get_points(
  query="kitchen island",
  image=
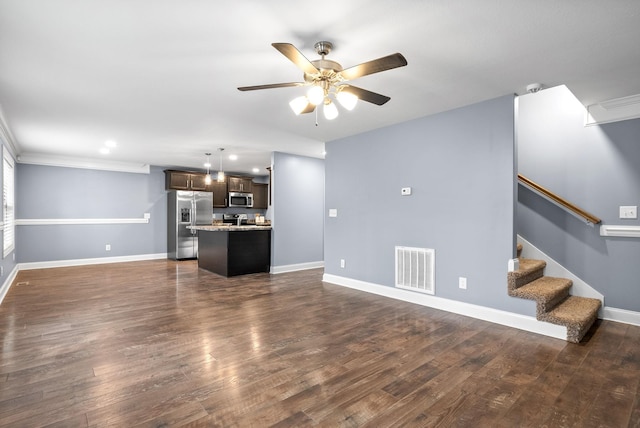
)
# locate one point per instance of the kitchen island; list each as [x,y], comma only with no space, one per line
[234,250]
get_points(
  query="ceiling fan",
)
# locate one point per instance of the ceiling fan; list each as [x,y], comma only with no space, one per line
[327,79]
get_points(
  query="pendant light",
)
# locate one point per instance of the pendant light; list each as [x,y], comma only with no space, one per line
[207,178]
[220,172]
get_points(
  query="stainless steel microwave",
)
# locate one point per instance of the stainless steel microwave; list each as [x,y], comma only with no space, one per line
[240,199]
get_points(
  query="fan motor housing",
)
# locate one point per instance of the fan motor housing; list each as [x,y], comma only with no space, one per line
[328,70]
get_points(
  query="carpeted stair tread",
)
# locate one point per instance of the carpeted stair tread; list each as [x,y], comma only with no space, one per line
[547,291]
[518,249]
[529,265]
[553,302]
[575,313]
[529,270]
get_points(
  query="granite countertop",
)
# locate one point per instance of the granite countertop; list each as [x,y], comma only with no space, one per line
[229,228]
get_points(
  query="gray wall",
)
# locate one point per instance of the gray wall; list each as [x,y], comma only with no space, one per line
[460,165]
[297,210]
[45,192]
[596,168]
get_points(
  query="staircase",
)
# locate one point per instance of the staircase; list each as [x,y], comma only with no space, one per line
[554,304]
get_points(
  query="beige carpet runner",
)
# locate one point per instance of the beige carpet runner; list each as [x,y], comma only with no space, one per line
[554,304]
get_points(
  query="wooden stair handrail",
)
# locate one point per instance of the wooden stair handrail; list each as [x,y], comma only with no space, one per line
[558,200]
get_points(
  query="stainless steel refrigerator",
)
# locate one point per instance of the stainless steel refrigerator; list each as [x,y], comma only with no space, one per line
[186,208]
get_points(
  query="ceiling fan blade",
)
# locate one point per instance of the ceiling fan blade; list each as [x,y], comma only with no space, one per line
[271,86]
[364,95]
[375,66]
[296,57]
[308,109]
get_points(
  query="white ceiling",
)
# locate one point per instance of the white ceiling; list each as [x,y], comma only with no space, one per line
[160,76]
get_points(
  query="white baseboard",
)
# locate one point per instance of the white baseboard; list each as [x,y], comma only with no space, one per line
[621,315]
[296,267]
[4,289]
[496,316]
[94,261]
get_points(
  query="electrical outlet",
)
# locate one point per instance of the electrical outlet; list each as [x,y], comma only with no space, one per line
[462,282]
[107,247]
[629,212]
[342,263]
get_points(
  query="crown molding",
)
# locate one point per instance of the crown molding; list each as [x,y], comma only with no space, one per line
[84,163]
[7,136]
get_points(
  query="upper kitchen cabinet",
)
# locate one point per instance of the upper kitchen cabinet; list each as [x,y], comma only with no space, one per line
[219,194]
[181,180]
[239,184]
[260,196]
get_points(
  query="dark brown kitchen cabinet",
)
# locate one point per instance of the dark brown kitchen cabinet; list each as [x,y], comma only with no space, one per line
[239,184]
[219,194]
[260,195]
[182,180]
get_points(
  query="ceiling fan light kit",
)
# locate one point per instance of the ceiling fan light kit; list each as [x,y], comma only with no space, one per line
[330,110]
[327,79]
[347,99]
[316,95]
[299,104]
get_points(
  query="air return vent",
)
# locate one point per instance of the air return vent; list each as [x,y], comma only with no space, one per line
[415,269]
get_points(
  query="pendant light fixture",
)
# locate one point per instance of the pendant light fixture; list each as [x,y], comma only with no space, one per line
[221,172]
[207,178]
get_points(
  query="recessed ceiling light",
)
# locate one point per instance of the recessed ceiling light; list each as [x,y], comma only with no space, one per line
[110,143]
[256,170]
[104,150]
[233,157]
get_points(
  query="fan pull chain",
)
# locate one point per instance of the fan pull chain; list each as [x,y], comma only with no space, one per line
[316,111]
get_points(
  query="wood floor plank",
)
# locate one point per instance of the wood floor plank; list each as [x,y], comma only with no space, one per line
[163,343]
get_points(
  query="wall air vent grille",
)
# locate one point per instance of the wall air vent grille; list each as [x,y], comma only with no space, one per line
[415,269]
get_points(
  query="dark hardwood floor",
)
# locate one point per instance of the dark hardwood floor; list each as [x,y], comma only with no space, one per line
[162,343]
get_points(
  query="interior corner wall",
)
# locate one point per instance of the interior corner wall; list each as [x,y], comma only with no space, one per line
[598,169]
[461,169]
[49,192]
[297,211]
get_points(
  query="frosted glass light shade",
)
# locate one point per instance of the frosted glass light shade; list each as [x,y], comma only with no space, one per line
[347,100]
[299,104]
[220,176]
[207,179]
[315,95]
[330,111]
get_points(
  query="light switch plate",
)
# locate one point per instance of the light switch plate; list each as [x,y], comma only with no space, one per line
[405,191]
[629,211]
[333,212]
